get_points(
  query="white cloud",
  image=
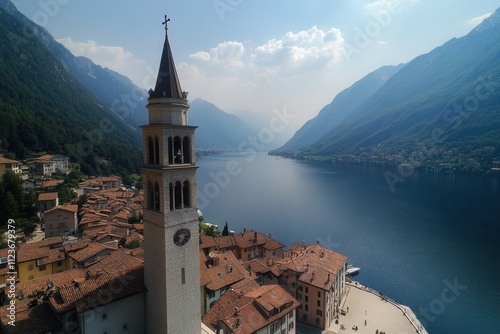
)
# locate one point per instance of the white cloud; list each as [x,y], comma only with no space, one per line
[227,54]
[113,57]
[302,51]
[379,4]
[232,73]
[476,20]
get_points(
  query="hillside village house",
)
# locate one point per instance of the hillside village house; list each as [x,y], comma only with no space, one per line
[47,201]
[100,183]
[40,259]
[48,164]
[60,220]
[9,165]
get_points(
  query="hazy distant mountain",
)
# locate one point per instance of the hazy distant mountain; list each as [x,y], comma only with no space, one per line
[342,105]
[44,108]
[217,128]
[125,98]
[449,96]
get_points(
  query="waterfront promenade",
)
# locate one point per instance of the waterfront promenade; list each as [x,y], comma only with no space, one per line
[367,311]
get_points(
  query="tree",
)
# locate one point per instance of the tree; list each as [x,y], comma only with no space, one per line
[26,226]
[67,195]
[135,218]
[225,231]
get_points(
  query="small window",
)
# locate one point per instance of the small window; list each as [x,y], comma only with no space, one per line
[319,312]
[59,263]
[300,288]
[30,267]
[307,290]
[104,316]
[42,268]
[307,298]
[306,307]
[30,277]
[319,303]
[319,294]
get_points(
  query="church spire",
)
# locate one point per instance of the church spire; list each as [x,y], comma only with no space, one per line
[167,83]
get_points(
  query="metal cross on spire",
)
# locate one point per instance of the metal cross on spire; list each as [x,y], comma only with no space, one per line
[165,23]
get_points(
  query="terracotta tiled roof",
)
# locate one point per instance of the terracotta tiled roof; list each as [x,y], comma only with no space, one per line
[318,265]
[57,280]
[75,246]
[253,238]
[69,207]
[207,241]
[51,242]
[260,266]
[47,196]
[49,183]
[45,157]
[248,312]
[8,161]
[92,249]
[99,290]
[37,319]
[225,241]
[54,255]
[250,239]
[226,270]
[115,262]
[25,254]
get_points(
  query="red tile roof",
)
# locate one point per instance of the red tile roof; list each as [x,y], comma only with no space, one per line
[47,196]
[68,207]
[38,319]
[99,290]
[248,312]
[8,161]
[92,249]
[225,271]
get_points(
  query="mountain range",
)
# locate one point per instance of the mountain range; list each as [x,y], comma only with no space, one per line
[43,108]
[440,106]
[53,101]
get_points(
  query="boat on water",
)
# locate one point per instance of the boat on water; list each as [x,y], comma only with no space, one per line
[352,270]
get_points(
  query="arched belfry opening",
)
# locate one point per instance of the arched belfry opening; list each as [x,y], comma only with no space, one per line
[157,152]
[186,150]
[151,151]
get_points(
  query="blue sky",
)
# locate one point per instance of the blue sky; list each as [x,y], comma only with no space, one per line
[256,55]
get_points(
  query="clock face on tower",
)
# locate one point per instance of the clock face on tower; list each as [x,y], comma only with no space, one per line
[182,236]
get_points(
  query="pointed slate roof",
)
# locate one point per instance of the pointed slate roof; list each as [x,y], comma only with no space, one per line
[167,83]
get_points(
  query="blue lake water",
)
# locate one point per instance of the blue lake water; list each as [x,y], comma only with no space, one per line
[432,244]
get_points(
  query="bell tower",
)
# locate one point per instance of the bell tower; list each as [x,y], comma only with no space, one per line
[171,257]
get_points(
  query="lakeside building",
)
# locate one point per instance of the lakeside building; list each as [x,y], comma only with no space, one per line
[313,274]
[249,308]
